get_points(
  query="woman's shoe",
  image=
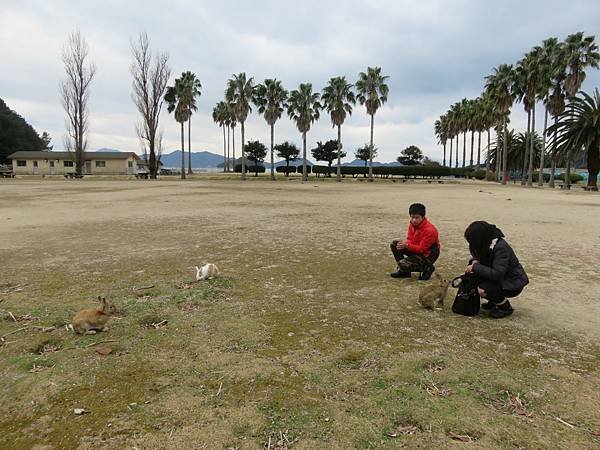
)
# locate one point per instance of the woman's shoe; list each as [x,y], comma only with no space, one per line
[501,311]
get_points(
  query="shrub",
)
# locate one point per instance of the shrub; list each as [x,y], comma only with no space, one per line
[287,170]
[536,176]
[299,169]
[238,168]
[478,174]
[575,177]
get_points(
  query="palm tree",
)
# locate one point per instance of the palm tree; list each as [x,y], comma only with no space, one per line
[303,108]
[193,88]
[219,115]
[499,88]
[548,63]
[577,129]
[231,123]
[178,98]
[338,99]
[270,99]
[441,131]
[372,91]
[240,93]
[581,52]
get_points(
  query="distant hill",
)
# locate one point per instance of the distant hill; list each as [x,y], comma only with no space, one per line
[105,149]
[361,163]
[200,160]
[15,133]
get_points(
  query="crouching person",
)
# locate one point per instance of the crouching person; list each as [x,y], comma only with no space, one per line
[421,248]
[499,274]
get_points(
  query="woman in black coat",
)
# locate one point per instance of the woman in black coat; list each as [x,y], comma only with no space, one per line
[499,274]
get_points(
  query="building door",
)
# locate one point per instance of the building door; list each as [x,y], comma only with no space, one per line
[52,168]
[88,167]
[129,167]
[36,169]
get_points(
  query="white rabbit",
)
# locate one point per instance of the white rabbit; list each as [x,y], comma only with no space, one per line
[206,272]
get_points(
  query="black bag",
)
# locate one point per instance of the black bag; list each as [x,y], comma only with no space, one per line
[467,299]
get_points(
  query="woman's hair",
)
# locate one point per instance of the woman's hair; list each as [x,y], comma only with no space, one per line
[479,235]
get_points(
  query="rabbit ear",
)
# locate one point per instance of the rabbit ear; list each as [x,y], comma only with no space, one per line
[100,298]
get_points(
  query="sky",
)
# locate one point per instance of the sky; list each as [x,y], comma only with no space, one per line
[435,53]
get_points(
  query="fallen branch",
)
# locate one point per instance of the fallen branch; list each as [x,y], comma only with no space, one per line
[100,342]
[565,423]
[142,288]
[219,391]
[15,331]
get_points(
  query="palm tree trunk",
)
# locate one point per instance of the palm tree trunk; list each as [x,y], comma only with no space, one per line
[450,161]
[532,149]
[543,152]
[304,174]
[224,151]
[272,163]
[190,146]
[554,156]
[479,149]
[505,154]
[457,144]
[487,156]
[593,166]
[567,178]
[444,164]
[472,140]
[339,150]
[182,152]
[371,150]
[233,147]
[527,139]
[464,149]
[243,155]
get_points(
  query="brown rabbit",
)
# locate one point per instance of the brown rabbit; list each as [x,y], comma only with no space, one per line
[432,296]
[91,320]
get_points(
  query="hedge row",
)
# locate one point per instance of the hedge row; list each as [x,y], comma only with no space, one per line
[253,169]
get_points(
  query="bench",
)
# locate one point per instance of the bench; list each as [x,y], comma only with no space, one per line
[7,175]
[72,175]
[141,176]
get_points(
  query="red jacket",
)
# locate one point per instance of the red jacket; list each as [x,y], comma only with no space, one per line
[422,238]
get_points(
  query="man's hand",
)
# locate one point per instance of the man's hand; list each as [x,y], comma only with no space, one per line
[401,245]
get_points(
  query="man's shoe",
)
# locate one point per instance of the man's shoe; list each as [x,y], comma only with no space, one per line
[487,306]
[426,274]
[500,311]
[400,274]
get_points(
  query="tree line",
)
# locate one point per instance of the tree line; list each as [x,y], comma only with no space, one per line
[551,74]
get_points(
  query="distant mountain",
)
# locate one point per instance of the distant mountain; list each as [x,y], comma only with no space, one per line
[104,149]
[200,160]
[361,163]
[297,162]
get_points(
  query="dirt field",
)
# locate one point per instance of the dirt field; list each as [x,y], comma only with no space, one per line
[305,341]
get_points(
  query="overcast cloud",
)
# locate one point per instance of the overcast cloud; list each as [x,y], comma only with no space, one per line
[435,52]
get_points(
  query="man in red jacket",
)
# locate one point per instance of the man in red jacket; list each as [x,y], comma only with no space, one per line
[421,248]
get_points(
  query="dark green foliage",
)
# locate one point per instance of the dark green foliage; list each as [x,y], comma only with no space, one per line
[16,134]
[299,169]
[286,169]
[289,152]
[256,169]
[256,151]
[575,177]
[327,152]
[479,174]
[410,156]
[363,153]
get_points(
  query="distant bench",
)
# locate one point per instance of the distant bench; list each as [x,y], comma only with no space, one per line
[141,176]
[7,174]
[72,175]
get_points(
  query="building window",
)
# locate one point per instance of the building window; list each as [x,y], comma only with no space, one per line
[100,163]
[21,163]
[68,163]
[35,164]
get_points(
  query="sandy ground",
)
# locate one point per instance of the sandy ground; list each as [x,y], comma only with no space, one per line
[92,224]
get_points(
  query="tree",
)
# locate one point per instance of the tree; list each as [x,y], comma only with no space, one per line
[303,109]
[429,162]
[192,90]
[372,91]
[577,129]
[16,133]
[231,123]
[288,152]
[150,80]
[499,88]
[256,152]
[240,93]
[365,154]
[580,52]
[440,128]
[178,101]
[46,139]
[338,99]
[75,93]
[410,156]
[220,117]
[329,152]
[271,101]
